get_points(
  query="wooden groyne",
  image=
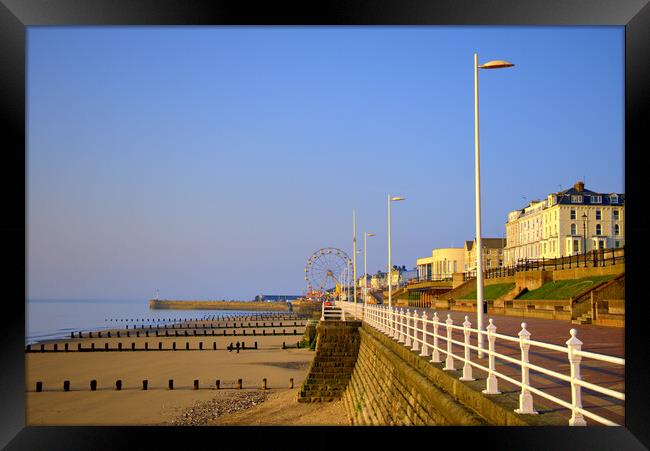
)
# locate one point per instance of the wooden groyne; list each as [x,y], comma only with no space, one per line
[176,304]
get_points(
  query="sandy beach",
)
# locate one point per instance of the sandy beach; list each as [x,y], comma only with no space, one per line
[158,405]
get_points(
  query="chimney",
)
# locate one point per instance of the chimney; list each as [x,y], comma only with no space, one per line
[579,186]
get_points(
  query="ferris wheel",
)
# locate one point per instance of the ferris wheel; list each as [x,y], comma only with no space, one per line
[324,269]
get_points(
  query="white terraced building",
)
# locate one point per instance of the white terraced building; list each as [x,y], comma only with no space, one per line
[565,223]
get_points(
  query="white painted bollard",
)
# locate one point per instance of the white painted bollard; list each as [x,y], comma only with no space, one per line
[425,347]
[573,344]
[416,343]
[467,368]
[435,354]
[407,322]
[525,398]
[449,361]
[322,309]
[491,387]
[392,323]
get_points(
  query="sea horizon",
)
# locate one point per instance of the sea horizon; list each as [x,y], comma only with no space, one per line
[51,319]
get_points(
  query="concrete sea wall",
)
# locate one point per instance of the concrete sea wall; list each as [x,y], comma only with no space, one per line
[218,305]
[392,385]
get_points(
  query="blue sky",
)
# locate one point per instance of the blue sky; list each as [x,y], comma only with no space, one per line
[210,162]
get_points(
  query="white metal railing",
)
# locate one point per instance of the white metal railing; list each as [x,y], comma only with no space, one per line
[421,333]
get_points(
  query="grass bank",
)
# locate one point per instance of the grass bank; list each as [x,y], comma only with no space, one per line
[491,292]
[564,289]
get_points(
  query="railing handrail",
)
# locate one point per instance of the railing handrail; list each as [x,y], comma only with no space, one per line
[412,330]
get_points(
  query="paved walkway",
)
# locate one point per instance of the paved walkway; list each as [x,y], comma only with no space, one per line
[597,339]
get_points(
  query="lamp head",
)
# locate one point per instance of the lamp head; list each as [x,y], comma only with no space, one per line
[496,64]
[395,199]
[370,234]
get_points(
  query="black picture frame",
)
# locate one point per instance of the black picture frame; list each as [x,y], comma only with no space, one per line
[16,15]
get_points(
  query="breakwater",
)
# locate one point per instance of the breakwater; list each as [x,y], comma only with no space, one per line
[177,304]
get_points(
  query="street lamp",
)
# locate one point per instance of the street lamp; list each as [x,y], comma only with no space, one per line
[354,259]
[584,233]
[497,64]
[365,272]
[390,281]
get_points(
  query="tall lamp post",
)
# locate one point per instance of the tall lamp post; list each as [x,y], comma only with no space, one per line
[584,234]
[390,279]
[365,271]
[479,244]
[354,259]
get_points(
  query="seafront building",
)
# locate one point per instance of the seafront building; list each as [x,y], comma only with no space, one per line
[492,253]
[566,223]
[442,263]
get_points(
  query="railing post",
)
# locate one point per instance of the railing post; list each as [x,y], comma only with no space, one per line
[322,310]
[416,344]
[435,353]
[491,387]
[407,326]
[425,348]
[400,337]
[449,361]
[467,368]
[525,398]
[573,344]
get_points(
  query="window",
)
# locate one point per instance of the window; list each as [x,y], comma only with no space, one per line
[598,229]
[597,215]
[601,244]
[617,230]
[576,199]
[616,215]
[573,214]
[576,244]
[617,244]
[573,229]
[596,199]
[613,199]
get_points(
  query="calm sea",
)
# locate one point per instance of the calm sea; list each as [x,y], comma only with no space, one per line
[46,320]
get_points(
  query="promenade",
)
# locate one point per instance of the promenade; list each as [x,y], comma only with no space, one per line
[597,339]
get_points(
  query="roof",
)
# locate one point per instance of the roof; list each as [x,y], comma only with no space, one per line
[490,243]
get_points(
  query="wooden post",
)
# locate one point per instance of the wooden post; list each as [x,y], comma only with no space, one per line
[66,385]
[239,384]
[145,384]
[196,384]
[93,385]
[171,384]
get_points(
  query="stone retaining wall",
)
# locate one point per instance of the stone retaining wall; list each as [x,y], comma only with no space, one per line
[392,385]
[337,346]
